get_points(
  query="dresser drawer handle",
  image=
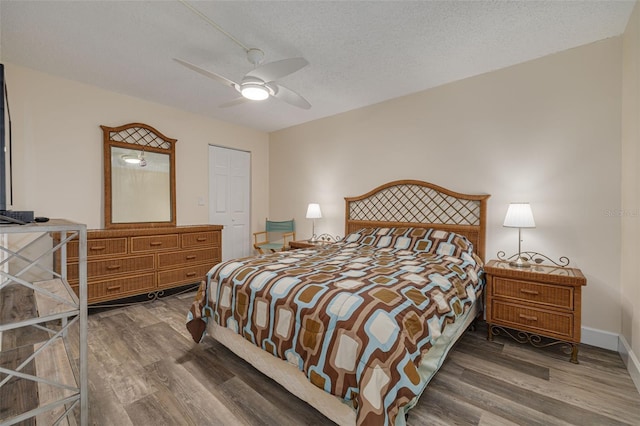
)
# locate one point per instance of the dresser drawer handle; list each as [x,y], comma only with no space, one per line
[190,274]
[528,317]
[201,239]
[155,243]
[532,292]
[113,267]
[97,248]
[191,257]
[114,287]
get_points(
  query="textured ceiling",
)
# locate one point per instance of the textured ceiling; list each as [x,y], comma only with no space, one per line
[360,53]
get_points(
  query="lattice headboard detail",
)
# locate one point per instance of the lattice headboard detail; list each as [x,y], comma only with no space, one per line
[420,205]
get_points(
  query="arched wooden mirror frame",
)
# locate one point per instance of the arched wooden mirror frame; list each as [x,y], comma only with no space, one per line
[141,137]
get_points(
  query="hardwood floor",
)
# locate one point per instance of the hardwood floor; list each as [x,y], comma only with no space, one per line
[146,370]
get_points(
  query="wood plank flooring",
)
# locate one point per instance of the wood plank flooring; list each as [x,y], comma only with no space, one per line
[17,396]
[145,370]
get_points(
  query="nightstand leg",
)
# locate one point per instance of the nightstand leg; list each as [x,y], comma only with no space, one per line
[489,333]
[574,353]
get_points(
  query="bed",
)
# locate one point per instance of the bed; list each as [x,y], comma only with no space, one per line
[357,328]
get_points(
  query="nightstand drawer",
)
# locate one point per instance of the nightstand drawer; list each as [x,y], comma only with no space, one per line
[548,294]
[554,324]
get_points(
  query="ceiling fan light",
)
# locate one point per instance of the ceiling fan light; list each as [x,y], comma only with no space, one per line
[131,159]
[255,92]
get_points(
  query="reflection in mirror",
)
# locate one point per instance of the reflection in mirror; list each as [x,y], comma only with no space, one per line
[140,186]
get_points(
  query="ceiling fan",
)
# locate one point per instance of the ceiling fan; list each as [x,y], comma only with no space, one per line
[260,83]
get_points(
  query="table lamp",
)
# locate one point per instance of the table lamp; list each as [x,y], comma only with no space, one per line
[313,213]
[519,215]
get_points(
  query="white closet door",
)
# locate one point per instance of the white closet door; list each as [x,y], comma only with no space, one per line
[230,199]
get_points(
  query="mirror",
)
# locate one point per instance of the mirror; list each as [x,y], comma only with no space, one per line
[139,179]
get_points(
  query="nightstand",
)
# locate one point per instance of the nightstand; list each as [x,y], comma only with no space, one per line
[538,301]
[308,244]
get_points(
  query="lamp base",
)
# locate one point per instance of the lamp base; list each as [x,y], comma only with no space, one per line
[520,263]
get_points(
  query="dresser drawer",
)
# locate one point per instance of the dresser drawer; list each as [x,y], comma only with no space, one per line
[106,267]
[187,275]
[154,243]
[548,294]
[554,324]
[199,239]
[118,287]
[185,257]
[100,247]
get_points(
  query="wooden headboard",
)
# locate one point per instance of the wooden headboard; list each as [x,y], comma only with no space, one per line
[413,203]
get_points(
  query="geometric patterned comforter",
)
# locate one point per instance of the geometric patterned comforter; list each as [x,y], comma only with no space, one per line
[356,316]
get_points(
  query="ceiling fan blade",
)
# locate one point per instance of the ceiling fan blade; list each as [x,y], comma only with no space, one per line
[234,102]
[278,69]
[289,96]
[209,74]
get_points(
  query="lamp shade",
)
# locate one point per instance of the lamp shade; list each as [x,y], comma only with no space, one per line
[519,215]
[313,211]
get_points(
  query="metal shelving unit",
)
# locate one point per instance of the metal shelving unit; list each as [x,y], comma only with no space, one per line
[60,316]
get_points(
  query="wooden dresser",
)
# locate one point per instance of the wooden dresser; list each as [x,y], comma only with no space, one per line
[128,262]
[537,301]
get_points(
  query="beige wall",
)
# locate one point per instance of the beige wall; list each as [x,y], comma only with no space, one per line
[630,270]
[57,145]
[545,131]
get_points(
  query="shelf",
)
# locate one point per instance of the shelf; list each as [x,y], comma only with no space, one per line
[55,300]
[50,375]
[40,377]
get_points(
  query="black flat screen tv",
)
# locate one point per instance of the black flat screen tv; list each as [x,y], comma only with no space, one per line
[3,159]
[6,193]
[6,176]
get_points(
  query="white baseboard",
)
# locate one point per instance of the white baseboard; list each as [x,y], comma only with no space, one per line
[630,360]
[600,338]
[614,342]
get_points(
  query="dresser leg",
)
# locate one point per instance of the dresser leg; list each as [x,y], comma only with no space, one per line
[574,353]
[489,333]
